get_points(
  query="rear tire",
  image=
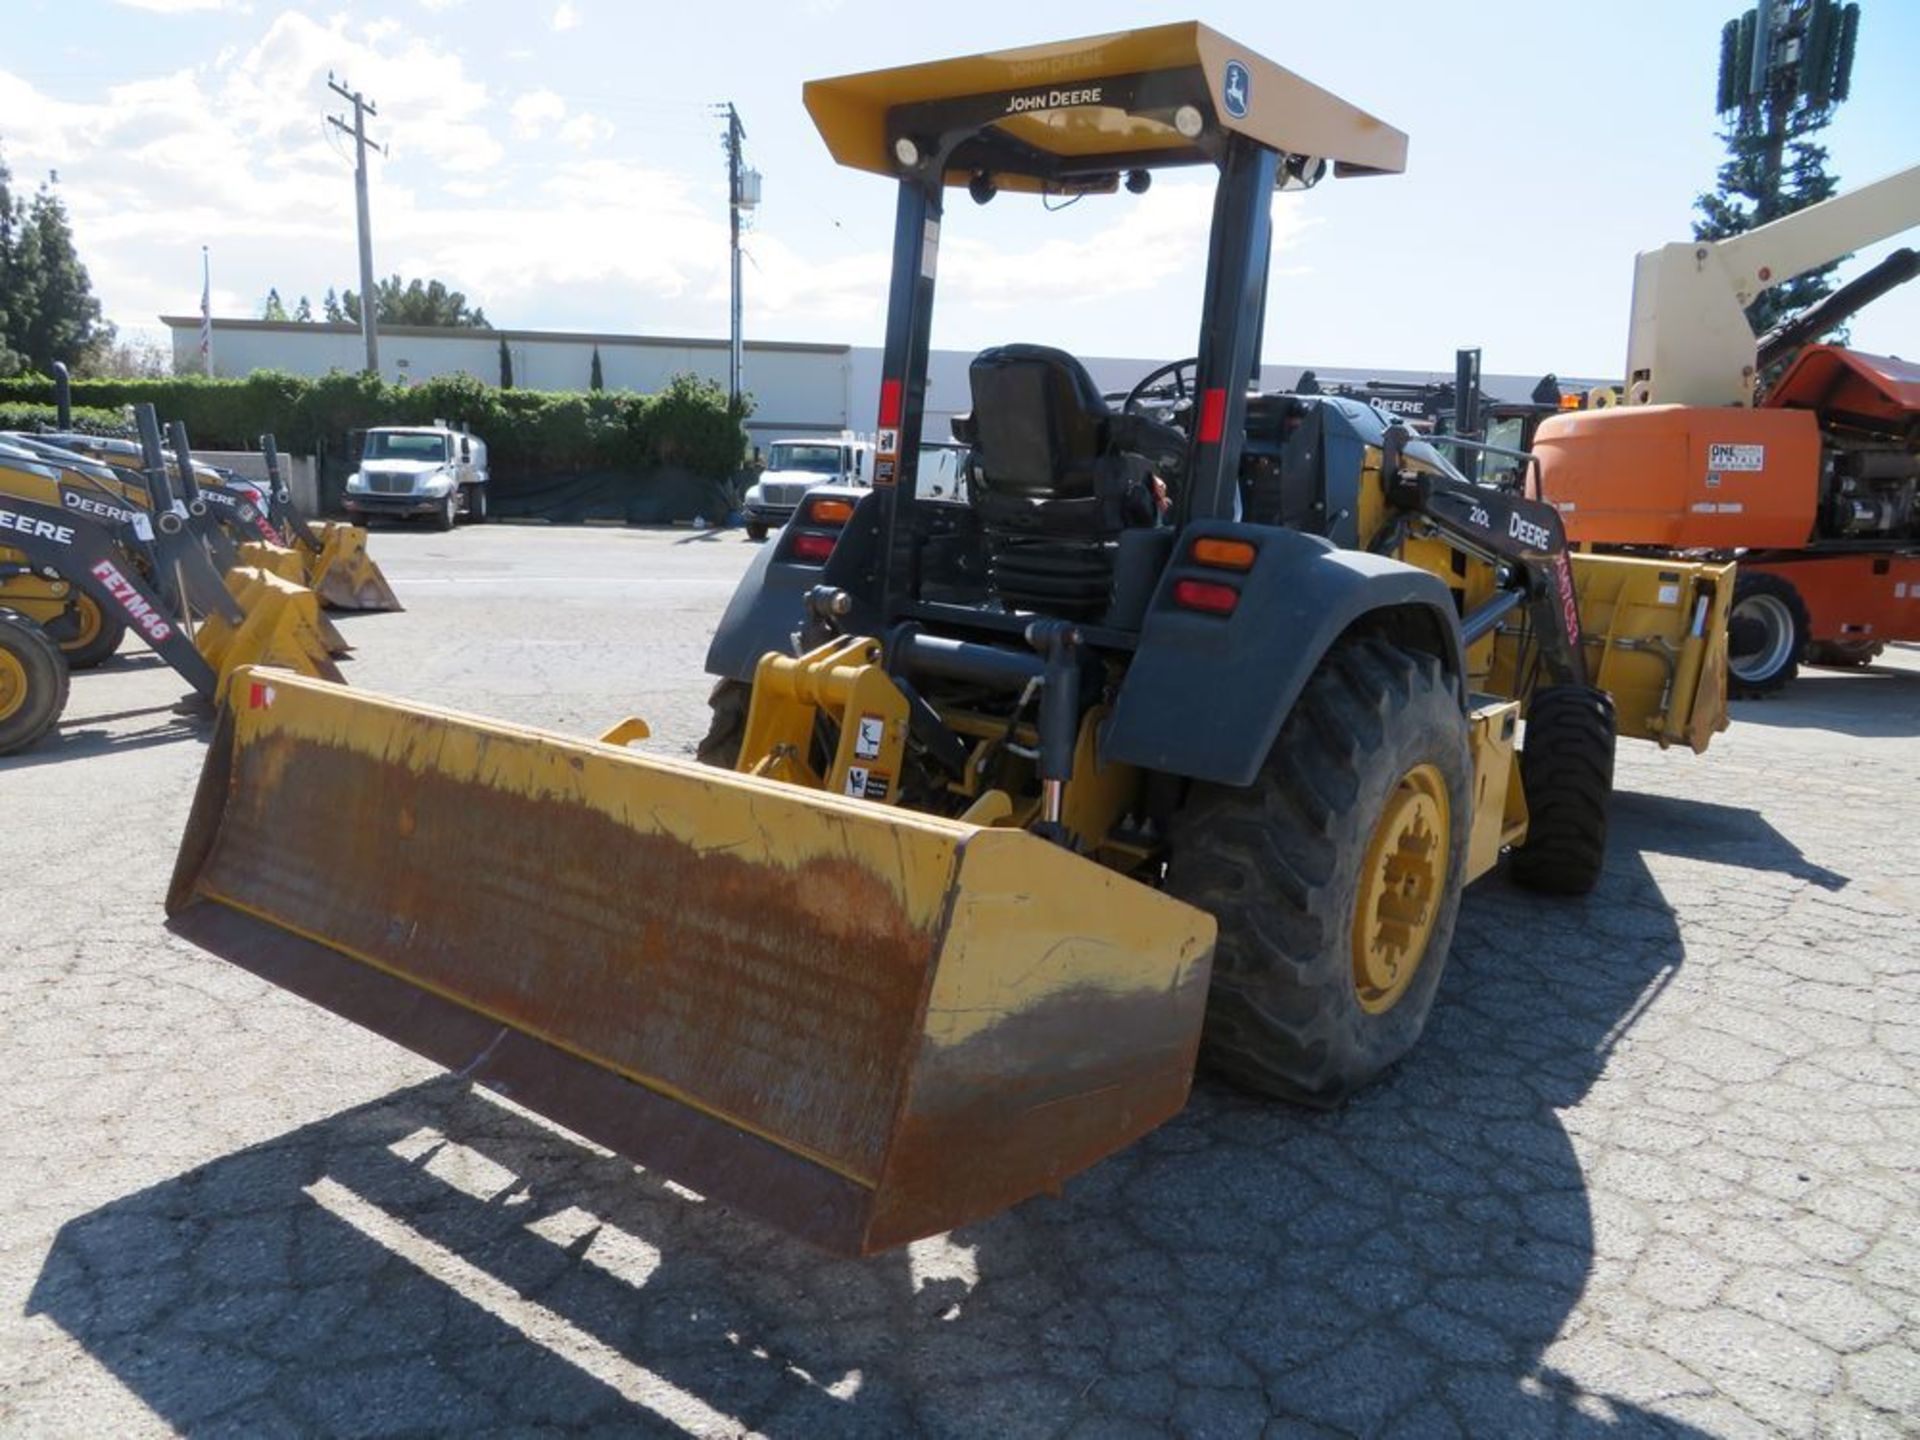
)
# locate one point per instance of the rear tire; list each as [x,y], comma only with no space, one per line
[476,504]
[728,725]
[1844,654]
[99,638]
[1336,904]
[33,682]
[1566,770]
[1769,619]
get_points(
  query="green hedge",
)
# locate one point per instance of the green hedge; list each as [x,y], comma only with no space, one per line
[688,424]
[45,417]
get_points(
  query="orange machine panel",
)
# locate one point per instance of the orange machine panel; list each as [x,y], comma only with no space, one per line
[1875,389]
[1683,477]
[1854,597]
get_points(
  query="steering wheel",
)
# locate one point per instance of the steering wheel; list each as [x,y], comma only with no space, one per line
[1179,371]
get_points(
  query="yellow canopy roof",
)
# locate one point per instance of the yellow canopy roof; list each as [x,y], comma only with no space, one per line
[1107,99]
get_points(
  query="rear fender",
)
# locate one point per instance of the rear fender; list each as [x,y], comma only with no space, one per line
[1206,695]
[769,605]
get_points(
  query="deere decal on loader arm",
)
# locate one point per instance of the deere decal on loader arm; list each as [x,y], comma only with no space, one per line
[84,544]
[944,931]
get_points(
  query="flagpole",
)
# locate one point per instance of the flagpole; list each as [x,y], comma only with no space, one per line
[206,312]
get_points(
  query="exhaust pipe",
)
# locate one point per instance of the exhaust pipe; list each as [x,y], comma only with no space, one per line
[62,396]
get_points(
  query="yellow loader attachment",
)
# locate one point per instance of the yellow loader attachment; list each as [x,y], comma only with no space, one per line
[281,625]
[862,1023]
[285,562]
[1655,637]
[344,574]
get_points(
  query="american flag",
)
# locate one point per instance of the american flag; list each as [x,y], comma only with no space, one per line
[206,312]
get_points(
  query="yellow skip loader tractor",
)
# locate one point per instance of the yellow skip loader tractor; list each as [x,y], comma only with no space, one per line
[1176,739]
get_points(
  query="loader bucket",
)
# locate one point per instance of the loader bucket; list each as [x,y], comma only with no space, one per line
[281,625]
[286,563]
[861,1023]
[345,575]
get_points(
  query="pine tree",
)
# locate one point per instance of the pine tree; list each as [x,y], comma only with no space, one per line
[274,308]
[303,312]
[330,307]
[595,379]
[12,301]
[1772,107]
[506,365]
[62,319]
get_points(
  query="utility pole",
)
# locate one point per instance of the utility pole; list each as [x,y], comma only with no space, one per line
[743,193]
[363,107]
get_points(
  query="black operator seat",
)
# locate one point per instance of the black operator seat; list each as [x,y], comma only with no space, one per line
[1052,479]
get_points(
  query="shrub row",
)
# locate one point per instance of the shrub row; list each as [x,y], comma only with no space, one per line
[688,423]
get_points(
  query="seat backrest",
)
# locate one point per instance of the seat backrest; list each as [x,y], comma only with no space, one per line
[1039,427]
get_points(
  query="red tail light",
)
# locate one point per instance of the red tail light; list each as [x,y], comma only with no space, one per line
[812,549]
[1205,596]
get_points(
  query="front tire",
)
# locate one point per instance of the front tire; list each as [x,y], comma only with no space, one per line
[1335,877]
[33,682]
[99,638]
[1766,635]
[1566,770]
[756,531]
[444,517]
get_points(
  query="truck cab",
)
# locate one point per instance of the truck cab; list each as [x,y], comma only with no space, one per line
[796,466]
[431,470]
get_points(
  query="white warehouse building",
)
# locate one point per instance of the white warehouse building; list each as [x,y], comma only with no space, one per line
[798,388]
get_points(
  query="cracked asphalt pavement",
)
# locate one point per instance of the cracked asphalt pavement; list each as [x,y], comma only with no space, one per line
[1654,1170]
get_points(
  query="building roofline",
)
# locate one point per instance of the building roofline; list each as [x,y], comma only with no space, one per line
[461,332]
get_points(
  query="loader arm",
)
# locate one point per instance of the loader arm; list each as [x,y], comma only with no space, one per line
[1689,342]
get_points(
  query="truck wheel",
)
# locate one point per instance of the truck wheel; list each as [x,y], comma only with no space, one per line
[1766,634]
[728,725]
[476,504]
[1844,654]
[756,531]
[1335,877]
[1566,772]
[448,512]
[33,682]
[99,638]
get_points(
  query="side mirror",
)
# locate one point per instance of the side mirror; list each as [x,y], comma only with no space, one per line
[465,453]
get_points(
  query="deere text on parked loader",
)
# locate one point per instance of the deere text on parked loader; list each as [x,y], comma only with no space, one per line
[944,933]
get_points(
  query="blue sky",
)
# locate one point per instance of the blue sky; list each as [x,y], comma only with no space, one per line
[558,160]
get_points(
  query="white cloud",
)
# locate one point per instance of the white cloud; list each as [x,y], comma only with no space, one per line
[534,111]
[566,16]
[180,7]
[582,131]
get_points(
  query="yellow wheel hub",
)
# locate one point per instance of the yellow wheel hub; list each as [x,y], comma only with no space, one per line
[13,684]
[1402,881]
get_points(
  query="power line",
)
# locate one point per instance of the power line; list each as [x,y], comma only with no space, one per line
[362,107]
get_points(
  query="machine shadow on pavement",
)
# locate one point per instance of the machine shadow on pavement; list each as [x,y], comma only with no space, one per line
[79,736]
[1876,701]
[437,1262]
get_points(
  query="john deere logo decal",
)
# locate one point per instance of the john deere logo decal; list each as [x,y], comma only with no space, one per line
[1235,91]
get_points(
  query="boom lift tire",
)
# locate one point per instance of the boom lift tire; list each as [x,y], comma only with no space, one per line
[1334,894]
[1566,769]
[1766,634]
[728,725]
[1844,654]
[99,638]
[33,682]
